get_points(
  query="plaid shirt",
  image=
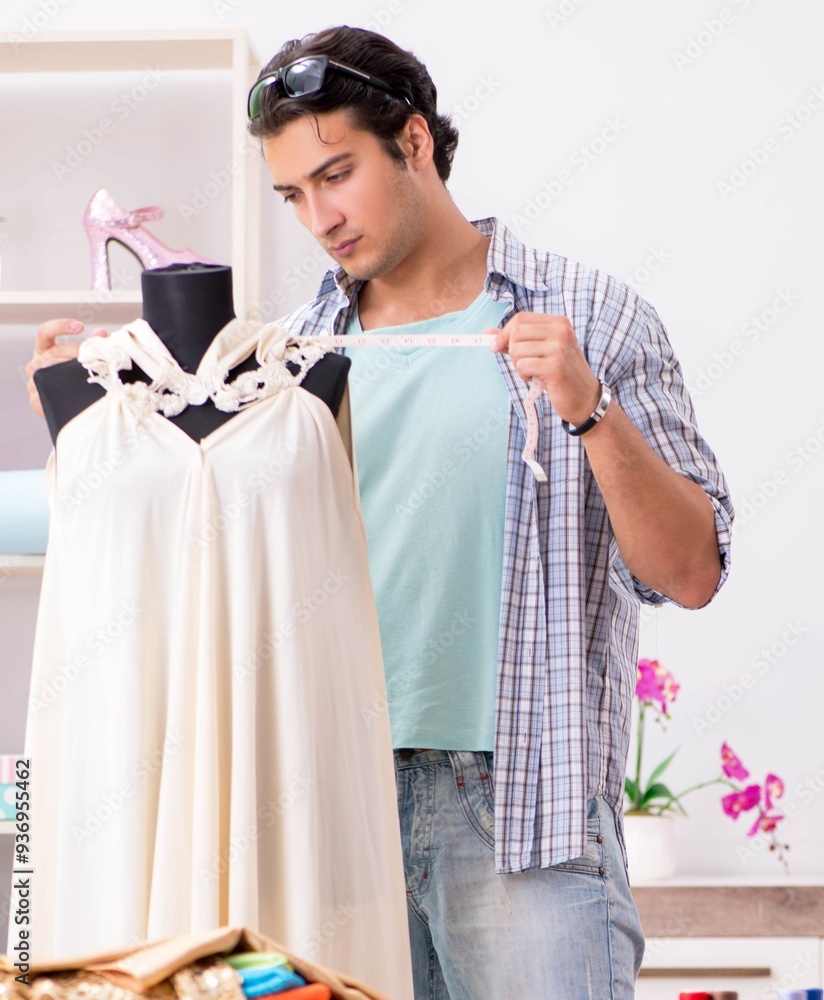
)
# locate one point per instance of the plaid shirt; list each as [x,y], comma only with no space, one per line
[569,606]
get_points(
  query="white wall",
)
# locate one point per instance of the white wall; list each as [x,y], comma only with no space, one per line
[692,96]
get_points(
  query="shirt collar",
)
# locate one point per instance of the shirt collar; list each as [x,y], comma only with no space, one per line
[509,261]
[337,282]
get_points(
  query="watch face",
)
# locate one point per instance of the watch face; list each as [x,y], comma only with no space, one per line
[606,399]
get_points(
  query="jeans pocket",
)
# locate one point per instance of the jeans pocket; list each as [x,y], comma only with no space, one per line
[473,782]
[416,803]
[591,862]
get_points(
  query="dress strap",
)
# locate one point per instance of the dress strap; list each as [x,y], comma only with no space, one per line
[172,389]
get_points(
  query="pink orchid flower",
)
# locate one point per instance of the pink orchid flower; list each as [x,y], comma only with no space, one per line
[773,789]
[731,764]
[766,823]
[655,683]
[737,802]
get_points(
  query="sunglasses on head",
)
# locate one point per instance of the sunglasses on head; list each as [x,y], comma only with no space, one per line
[307,76]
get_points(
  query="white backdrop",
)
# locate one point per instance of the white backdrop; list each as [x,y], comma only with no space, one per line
[678,146]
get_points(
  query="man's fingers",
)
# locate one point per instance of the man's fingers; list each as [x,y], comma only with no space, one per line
[55,354]
[535,326]
[48,352]
[47,333]
[60,352]
[46,349]
[501,342]
[34,398]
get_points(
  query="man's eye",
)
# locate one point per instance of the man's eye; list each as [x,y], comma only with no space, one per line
[289,198]
[334,178]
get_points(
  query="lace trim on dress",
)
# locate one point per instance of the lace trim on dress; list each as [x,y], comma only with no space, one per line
[173,389]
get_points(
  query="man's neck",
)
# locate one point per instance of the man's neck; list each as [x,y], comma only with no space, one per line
[445,274]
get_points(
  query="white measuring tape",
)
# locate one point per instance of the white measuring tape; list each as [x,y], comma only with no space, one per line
[445,340]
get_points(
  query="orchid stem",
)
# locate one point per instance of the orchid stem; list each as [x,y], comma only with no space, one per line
[637,802]
[694,788]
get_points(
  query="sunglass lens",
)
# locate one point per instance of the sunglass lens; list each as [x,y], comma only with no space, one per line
[257,92]
[304,77]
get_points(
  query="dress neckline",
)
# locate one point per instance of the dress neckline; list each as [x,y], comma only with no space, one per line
[172,389]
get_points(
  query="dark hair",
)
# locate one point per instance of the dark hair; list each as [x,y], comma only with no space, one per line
[371,110]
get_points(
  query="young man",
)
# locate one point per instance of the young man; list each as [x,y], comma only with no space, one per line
[508,607]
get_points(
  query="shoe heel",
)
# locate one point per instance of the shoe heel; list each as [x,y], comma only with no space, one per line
[100,261]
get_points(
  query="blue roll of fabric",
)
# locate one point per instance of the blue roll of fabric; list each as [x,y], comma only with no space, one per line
[262,981]
[265,974]
[24,512]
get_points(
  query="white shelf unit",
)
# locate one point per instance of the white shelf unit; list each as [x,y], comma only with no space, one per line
[754,968]
[13,565]
[31,307]
[67,52]
[226,50]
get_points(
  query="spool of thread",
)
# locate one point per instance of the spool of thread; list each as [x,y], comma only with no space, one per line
[723,995]
[694,996]
[792,995]
[816,994]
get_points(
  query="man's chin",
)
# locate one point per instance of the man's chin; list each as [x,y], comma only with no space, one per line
[360,272]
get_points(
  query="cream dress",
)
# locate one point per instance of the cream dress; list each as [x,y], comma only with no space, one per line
[207,726]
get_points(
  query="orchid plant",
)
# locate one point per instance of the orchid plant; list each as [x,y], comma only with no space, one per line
[656,689]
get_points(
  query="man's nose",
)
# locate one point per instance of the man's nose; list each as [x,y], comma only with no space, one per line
[324,217]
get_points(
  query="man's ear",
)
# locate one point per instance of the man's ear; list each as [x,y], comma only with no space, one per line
[415,140]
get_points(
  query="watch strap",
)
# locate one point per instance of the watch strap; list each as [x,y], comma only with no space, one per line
[596,415]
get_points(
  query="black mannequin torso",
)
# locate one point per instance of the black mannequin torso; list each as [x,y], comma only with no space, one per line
[186,305]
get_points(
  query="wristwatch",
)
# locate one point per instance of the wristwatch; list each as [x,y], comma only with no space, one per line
[596,415]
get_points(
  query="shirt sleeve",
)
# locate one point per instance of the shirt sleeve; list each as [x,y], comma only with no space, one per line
[649,387]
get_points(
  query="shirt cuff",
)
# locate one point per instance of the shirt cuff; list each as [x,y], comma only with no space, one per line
[723,533]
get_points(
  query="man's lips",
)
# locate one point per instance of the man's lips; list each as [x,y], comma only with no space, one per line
[343,247]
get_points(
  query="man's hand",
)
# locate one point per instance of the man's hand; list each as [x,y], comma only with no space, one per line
[663,522]
[47,352]
[546,346]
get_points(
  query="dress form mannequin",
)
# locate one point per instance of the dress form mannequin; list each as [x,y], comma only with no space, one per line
[186,305]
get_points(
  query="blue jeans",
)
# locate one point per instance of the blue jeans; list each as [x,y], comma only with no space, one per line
[570,932]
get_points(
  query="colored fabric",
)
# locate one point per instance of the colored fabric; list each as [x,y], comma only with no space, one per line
[255,959]
[434,517]
[206,646]
[314,991]
[143,967]
[24,512]
[569,606]
[262,982]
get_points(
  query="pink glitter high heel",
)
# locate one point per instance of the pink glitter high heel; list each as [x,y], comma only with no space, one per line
[105,220]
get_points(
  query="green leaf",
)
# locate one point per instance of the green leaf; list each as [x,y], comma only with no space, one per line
[631,789]
[662,766]
[656,791]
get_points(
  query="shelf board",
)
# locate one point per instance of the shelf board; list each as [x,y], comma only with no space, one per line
[90,51]
[6,826]
[771,910]
[93,308]
[13,565]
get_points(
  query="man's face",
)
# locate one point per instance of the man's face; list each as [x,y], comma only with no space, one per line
[365,208]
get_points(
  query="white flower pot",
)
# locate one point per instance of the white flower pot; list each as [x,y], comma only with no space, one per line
[650,844]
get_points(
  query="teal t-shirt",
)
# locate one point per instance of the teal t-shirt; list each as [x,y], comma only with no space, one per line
[430,428]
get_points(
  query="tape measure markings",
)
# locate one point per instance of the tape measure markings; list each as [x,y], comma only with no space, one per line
[446,340]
